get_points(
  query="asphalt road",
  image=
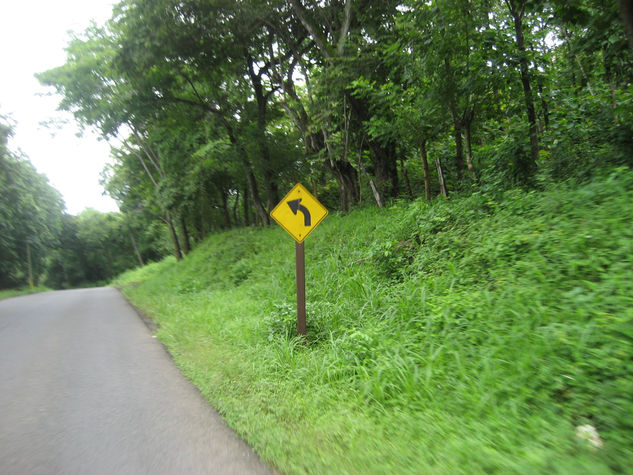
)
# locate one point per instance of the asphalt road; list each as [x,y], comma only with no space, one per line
[85,388]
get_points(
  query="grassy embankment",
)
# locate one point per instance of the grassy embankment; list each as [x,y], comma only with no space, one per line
[8,293]
[466,336]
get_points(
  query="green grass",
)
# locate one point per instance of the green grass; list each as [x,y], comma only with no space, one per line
[8,293]
[468,336]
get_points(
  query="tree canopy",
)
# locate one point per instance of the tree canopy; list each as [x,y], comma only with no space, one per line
[41,244]
[214,107]
[30,215]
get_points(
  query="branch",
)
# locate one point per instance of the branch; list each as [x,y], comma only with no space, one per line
[149,153]
[195,91]
[138,155]
[316,35]
[345,27]
[268,95]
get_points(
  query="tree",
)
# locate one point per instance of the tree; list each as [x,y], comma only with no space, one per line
[30,215]
[208,103]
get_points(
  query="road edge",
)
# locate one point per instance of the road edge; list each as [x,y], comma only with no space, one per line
[147,320]
[153,328]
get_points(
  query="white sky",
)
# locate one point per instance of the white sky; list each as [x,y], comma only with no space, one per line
[33,35]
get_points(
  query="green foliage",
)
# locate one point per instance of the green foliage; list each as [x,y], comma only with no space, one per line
[483,329]
[6,294]
[66,251]
[30,215]
[589,133]
[94,247]
[217,107]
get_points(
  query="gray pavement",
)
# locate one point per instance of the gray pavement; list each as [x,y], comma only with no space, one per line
[85,388]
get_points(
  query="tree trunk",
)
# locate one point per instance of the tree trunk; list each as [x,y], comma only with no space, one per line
[469,149]
[316,142]
[584,75]
[250,176]
[517,13]
[459,148]
[440,177]
[609,78]
[29,264]
[174,236]
[372,185]
[405,177]
[626,12]
[383,156]
[136,251]
[259,206]
[457,123]
[235,205]
[272,192]
[425,167]
[185,235]
[544,105]
[347,179]
[385,166]
[199,228]
[225,209]
[247,219]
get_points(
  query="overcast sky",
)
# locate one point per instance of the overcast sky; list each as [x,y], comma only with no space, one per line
[33,35]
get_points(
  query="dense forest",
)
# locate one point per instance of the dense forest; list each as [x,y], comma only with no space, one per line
[41,244]
[30,215]
[215,108]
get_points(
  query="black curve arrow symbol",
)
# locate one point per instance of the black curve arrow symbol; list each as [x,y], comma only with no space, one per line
[295,205]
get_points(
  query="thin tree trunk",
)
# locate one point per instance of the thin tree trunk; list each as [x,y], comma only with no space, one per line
[405,177]
[185,235]
[584,75]
[173,235]
[225,210]
[345,174]
[374,189]
[259,206]
[372,185]
[272,193]
[609,77]
[247,220]
[29,263]
[425,167]
[469,149]
[544,105]
[517,13]
[459,149]
[136,251]
[235,206]
[457,124]
[626,12]
[250,176]
[109,260]
[440,177]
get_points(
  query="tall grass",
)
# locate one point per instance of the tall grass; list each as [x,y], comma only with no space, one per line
[462,336]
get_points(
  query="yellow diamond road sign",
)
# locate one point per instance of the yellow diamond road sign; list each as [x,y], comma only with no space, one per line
[299,212]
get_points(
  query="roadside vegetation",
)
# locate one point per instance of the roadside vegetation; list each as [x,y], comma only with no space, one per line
[5,294]
[213,109]
[42,245]
[471,335]
[469,296]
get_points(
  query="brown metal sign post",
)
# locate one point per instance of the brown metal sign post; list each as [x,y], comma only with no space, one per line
[301,288]
[299,213]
